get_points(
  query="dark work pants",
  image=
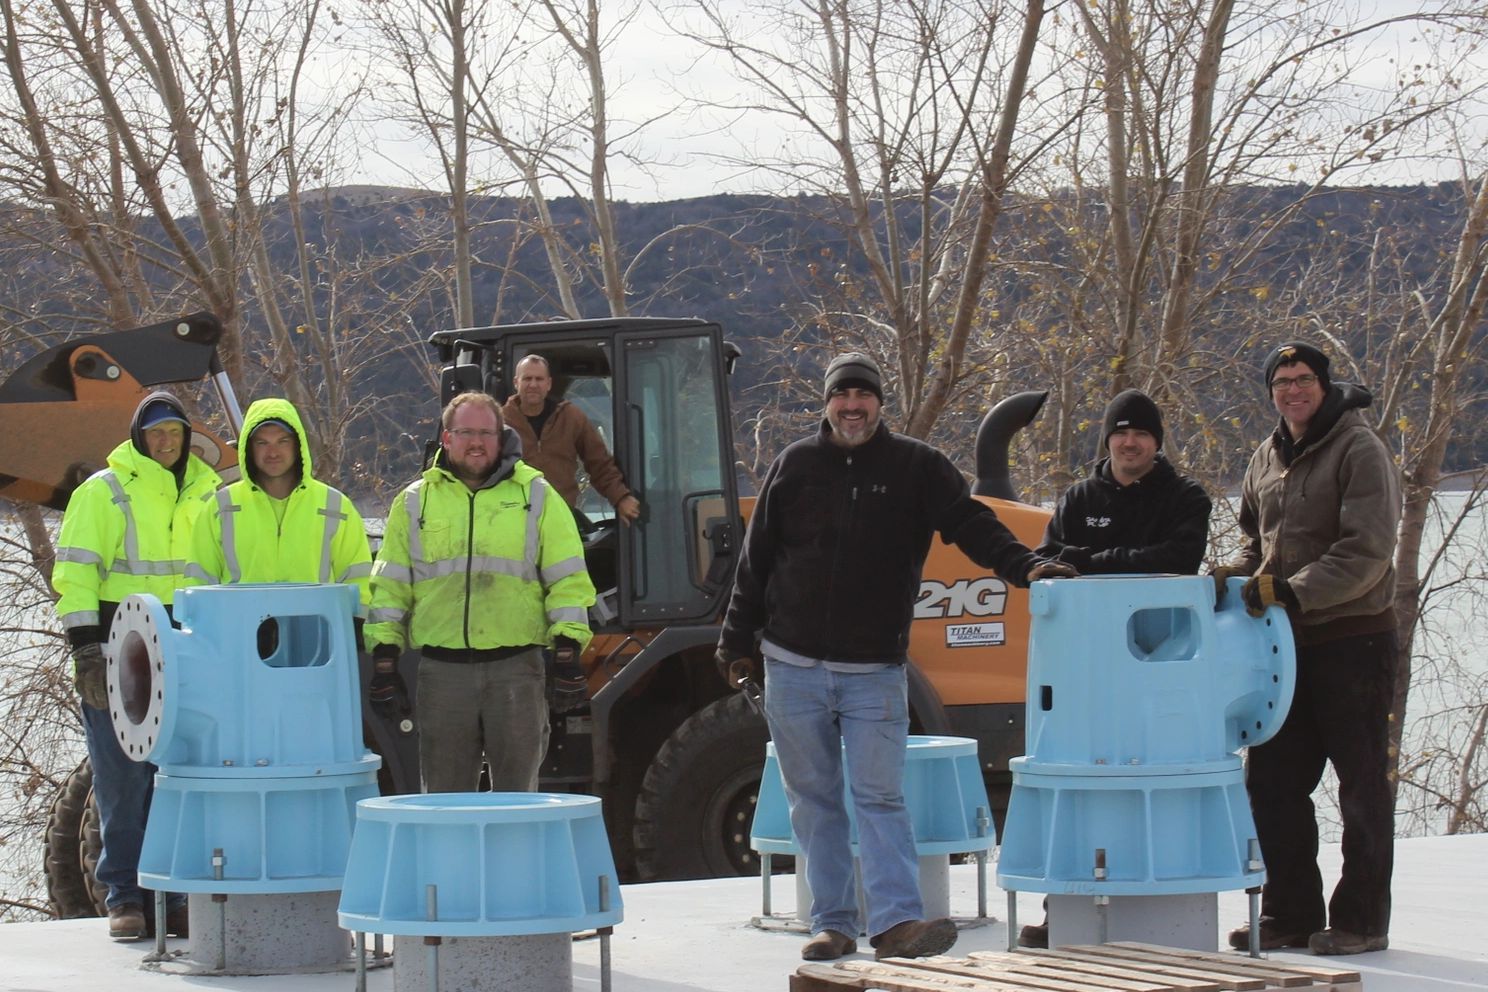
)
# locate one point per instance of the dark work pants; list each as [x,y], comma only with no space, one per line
[1340,713]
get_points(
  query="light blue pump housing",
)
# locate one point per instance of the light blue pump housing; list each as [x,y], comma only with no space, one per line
[1140,693]
[252,711]
[943,791]
[480,864]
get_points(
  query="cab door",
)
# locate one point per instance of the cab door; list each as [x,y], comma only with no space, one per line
[675,435]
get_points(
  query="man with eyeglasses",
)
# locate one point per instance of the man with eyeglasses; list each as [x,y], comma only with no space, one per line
[481,569]
[1319,510]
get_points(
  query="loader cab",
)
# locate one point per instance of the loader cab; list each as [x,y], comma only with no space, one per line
[657,392]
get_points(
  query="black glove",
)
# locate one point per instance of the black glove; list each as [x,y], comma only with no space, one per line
[1078,557]
[1267,590]
[1221,574]
[1050,569]
[735,669]
[90,674]
[568,686]
[387,693]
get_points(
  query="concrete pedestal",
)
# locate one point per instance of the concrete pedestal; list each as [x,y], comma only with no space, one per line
[273,934]
[1188,921]
[533,963]
[935,888]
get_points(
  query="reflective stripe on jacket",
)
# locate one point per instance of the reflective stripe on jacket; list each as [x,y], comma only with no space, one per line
[321,537]
[500,566]
[127,530]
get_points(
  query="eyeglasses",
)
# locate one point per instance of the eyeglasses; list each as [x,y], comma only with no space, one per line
[470,433]
[1301,382]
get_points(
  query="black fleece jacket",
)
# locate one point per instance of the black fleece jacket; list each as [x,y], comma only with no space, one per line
[1160,523]
[832,557]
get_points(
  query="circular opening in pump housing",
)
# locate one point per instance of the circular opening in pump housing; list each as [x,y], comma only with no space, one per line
[136,685]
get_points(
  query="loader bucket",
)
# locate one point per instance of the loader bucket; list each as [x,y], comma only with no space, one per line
[66,408]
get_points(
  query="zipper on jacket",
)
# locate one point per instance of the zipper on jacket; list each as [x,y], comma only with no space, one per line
[843,534]
[469,559]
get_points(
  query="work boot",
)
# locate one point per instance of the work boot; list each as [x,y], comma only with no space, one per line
[1034,935]
[1274,937]
[829,945]
[915,939]
[126,922]
[1331,941]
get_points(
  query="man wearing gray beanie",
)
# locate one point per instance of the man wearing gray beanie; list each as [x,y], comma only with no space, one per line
[829,573]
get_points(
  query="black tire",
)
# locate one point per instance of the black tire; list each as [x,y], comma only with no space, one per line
[697,801]
[70,888]
[90,848]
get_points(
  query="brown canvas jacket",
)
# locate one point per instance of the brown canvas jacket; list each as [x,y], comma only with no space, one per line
[567,439]
[1327,523]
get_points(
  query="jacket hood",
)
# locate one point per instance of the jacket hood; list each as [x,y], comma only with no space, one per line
[273,409]
[511,452]
[1340,398]
[137,433]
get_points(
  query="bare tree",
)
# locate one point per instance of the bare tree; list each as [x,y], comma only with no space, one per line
[909,122]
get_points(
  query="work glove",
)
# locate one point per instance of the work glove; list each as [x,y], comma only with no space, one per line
[90,674]
[387,693]
[1051,569]
[1267,590]
[568,688]
[736,669]
[1076,557]
[1221,574]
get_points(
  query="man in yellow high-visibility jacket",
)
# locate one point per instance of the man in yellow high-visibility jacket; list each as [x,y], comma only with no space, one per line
[127,530]
[278,523]
[481,569]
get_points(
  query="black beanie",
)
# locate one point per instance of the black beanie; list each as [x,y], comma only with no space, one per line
[1298,351]
[1132,409]
[853,369]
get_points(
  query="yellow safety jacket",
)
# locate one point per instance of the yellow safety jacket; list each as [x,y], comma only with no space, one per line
[495,567]
[242,539]
[127,530]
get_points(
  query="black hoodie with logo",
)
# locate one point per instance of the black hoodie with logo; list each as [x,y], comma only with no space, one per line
[1158,524]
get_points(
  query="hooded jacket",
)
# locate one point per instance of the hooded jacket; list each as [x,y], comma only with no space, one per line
[568,437]
[242,537]
[1323,513]
[832,558]
[486,569]
[1159,523]
[128,530]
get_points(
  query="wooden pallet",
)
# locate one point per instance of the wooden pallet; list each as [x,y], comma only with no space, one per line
[1115,967]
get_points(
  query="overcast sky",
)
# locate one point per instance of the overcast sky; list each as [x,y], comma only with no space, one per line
[649,72]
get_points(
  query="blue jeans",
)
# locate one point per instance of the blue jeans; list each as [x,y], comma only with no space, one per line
[121,791]
[813,714]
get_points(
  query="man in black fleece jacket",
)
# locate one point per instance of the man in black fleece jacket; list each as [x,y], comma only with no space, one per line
[1135,513]
[829,573]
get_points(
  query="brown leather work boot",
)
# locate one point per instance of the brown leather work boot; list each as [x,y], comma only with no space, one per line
[915,939]
[127,922]
[829,945]
[1274,936]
